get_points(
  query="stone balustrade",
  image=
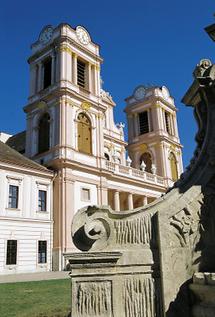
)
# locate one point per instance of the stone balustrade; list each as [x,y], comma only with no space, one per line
[137,174]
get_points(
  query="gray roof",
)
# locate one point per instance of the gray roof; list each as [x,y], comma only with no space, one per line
[17,141]
[11,156]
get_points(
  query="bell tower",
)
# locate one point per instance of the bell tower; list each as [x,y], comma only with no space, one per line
[153,140]
[64,93]
[70,124]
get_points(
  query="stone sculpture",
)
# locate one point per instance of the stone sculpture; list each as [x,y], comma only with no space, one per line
[141,263]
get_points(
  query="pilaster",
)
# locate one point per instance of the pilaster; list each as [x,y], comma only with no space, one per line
[74,69]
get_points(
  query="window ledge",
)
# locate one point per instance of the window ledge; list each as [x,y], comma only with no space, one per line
[42,211]
[11,266]
[12,209]
[42,265]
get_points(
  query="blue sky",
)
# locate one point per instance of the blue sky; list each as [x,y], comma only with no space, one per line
[142,42]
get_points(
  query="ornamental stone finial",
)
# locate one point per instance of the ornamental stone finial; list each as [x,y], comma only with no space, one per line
[153,169]
[142,166]
[128,161]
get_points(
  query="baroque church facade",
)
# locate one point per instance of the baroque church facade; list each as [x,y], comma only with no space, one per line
[72,153]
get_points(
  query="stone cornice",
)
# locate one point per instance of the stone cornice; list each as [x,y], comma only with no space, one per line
[102,172]
[18,168]
[58,92]
[62,39]
[22,219]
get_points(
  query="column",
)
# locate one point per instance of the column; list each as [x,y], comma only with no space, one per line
[71,65]
[130,127]
[62,134]
[89,77]
[40,76]
[62,64]
[130,202]
[53,68]
[145,200]
[175,125]
[160,117]
[98,78]
[116,201]
[95,80]
[74,69]
[136,125]
[33,78]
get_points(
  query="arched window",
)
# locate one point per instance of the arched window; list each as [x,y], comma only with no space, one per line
[173,166]
[44,133]
[147,159]
[84,134]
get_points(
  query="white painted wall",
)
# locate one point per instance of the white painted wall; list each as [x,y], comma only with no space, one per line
[25,224]
[79,202]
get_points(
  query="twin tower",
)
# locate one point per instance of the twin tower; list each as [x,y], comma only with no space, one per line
[65,83]
[71,129]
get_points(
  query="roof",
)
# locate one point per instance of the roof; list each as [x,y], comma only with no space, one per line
[17,141]
[11,156]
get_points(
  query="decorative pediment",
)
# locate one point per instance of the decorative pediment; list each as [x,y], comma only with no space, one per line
[106,96]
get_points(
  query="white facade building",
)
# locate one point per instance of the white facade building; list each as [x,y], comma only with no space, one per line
[26,230]
[70,129]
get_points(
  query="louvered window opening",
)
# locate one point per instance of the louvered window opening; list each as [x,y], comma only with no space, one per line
[167,121]
[144,122]
[44,133]
[47,65]
[81,73]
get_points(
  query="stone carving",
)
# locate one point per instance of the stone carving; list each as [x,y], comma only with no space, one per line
[90,231]
[186,223]
[139,297]
[135,231]
[94,299]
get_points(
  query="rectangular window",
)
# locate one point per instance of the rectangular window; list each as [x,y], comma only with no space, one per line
[143,122]
[167,122]
[42,251]
[85,194]
[42,200]
[11,252]
[47,77]
[81,73]
[13,196]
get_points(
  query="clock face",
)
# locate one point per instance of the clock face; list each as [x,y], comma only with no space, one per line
[46,35]
[82,35]
[140,93]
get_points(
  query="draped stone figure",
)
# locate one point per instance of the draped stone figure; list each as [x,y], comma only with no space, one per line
[141,263]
